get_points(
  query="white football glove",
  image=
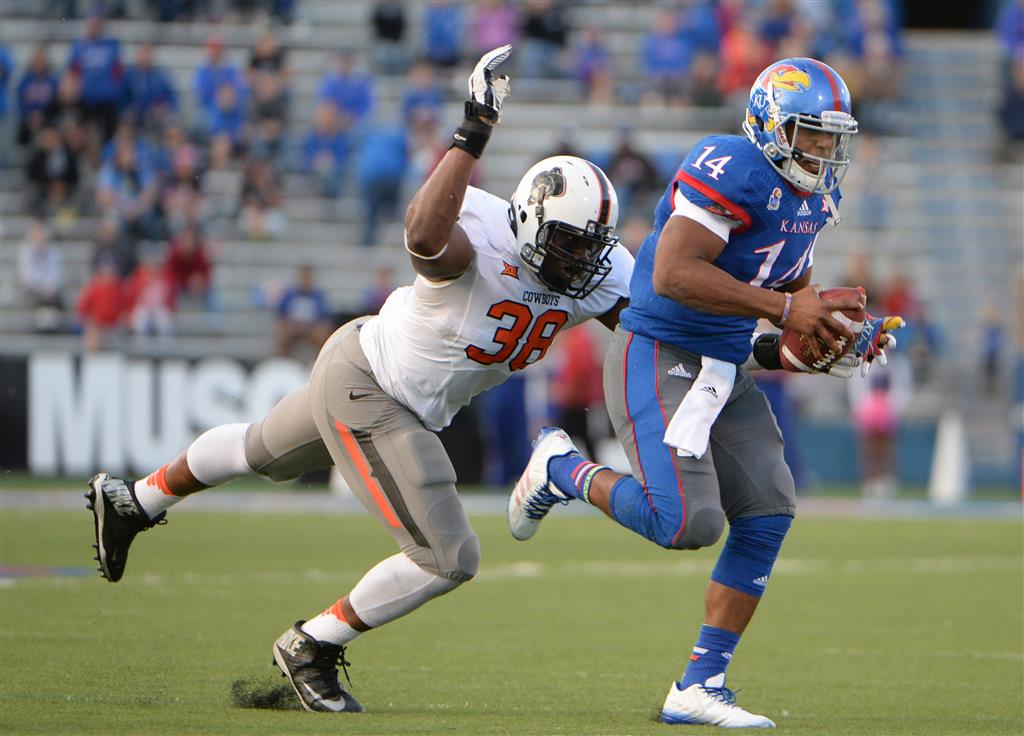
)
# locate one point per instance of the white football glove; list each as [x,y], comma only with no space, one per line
[874,339]
[486,91]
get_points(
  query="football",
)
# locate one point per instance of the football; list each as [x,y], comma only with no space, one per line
[795,349]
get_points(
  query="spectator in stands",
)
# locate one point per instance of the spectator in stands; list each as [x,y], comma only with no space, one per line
[777,21]
[388,32]
[577,385]
[545,34]
[149,95]
[125,133]
[268,115]
[1010,27]
[96,61]
[383,160]
[6,72]
[268,79]
[40,276]
[268,57]
[326,150]
[422,92]
[100,306]
[495,23]
[37,96]
[188,269]
[743,55]
[213,74]
[222,182]
[262,215]
[376,295]
[1012,106]
[69,110]
[427,145]
[303,316]
[350,90]
[442,28]
[632,173]
[702,86]
[592,67]
[127,188]
[149,298]
[227,118]
[161,153]
[52,172]
[114,246]
[700,25]
[665,58]
[182,197]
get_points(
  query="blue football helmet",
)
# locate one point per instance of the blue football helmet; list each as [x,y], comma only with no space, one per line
[808,94]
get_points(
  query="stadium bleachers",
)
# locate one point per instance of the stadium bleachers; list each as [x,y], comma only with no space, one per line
[954,213]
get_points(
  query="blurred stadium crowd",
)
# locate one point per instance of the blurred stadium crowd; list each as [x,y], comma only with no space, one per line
[167,170]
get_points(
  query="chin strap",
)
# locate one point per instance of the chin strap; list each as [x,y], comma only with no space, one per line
[836,219]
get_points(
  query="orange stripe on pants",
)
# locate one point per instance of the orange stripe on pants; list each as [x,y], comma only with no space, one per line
[348,441]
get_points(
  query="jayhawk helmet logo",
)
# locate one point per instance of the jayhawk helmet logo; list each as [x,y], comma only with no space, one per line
[789,78]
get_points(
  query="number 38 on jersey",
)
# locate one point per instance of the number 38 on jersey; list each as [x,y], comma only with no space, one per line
[517,320]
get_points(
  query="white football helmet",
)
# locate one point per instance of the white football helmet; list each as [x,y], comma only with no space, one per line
[564,213]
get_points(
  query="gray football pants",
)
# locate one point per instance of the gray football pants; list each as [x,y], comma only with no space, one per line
[683,502]
[397,468]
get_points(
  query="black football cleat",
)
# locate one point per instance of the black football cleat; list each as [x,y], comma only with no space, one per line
[312,668]
[117,517]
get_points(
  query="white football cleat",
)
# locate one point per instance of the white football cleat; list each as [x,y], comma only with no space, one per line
[712,704]
[535,494]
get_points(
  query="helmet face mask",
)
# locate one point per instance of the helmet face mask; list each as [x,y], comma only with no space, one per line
[564,213]
[795,95]
[572,261]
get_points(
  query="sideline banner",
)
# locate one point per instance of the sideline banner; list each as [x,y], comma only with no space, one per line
[125,415]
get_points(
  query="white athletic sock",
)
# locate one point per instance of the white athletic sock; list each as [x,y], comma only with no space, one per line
[394,587]
[218,455]
[331,626]
[152,494]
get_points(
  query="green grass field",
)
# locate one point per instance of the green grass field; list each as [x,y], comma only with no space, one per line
[868,627]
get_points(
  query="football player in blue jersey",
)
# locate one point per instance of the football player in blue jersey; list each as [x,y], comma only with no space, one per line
[733,241]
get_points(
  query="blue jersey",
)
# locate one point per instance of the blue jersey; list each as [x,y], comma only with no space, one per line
[771,233]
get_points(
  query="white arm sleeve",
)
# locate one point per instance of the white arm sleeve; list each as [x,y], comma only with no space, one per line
[720,226]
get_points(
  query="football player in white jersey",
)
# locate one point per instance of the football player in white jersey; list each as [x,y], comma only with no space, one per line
[496,280]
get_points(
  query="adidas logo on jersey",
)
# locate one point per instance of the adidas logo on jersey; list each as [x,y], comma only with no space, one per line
[710,389]
[761,581]
[804,209]
[679,371]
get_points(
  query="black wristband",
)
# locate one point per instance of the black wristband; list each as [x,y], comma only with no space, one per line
[766,351]
[471,137]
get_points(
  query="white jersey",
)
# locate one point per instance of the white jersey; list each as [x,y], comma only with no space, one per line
[436,345]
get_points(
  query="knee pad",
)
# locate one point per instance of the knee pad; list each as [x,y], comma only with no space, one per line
[746,561]
[459,561]
[467,561]
[703,529]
